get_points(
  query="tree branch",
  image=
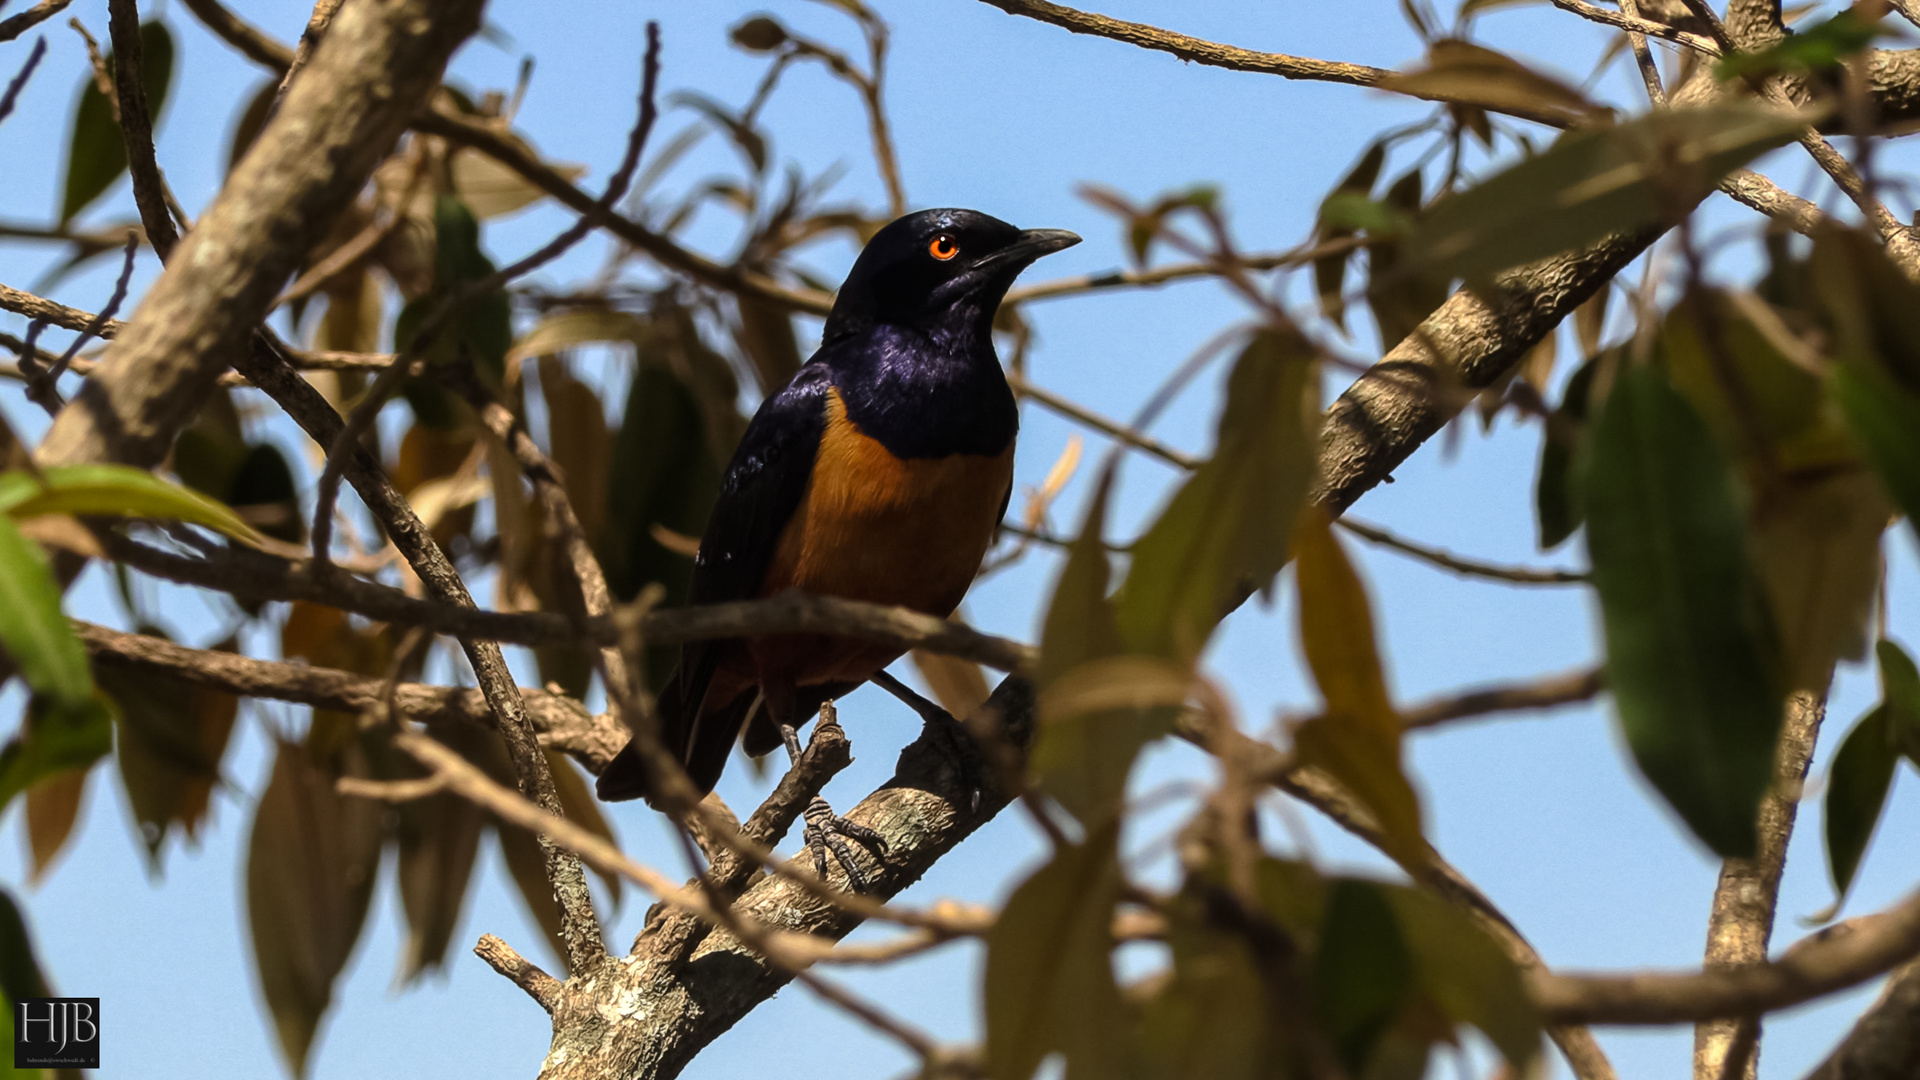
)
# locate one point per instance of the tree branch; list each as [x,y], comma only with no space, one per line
[1885,1042]
[308,163]
[1821,964]
[136,126]
[19,24]
[1741,923]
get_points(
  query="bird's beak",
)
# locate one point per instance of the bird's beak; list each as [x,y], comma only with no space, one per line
[1030,245]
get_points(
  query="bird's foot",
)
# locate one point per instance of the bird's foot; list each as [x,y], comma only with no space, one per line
[827,831]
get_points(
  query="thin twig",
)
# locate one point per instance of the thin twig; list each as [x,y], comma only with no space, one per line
[1572,688]
[1637,27]
[136,126]
[1643,57]
[44,389]
[540,986]
[19,24]
[19,81]
[1130,436]
[1512,575]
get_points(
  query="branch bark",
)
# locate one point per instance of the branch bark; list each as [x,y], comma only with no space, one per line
[1741,923]
[382,60]
[1884,1043]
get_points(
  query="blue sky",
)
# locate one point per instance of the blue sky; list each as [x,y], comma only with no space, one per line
[1008,116]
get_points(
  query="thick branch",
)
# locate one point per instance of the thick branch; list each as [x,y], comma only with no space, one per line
[1824,963]
[1885,1042]
[564,724]
[1741,923]
[382,60]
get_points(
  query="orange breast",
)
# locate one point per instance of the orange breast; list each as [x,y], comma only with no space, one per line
[878,528]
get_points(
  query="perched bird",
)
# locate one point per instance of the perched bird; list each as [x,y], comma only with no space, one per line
[879,473]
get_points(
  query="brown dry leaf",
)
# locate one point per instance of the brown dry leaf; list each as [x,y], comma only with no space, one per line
[427,454]
[1465,74]
[62,532]
[355,319]
[491,189]
[324,637]
[577,326]
[1358,739]
[958,685]
[581,446]
[173,736]
[311,862]
[53,805]
[1590,322]
[765,334]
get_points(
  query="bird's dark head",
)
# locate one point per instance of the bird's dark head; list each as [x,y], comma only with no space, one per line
[938,268]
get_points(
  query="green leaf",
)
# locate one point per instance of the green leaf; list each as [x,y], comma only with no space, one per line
[1555,499]
[1362,973]
[1330,271]
[1228,530]
[97,154]
[1049,980]
[1823,45]
[19,972]
[1856,791]
[1399,296]
[1467,974]
[1689,651]
[54,740]
[480,329]
[116,491]
[1211,1019]
[1592,183]
[1885,417]
[32,629]
[1086,743]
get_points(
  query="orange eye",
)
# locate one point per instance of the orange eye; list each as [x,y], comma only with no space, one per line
[943,247]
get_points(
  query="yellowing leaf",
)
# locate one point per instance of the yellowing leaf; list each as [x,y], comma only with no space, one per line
[1357,741]
[576,326]
[53,805]
[1462,73]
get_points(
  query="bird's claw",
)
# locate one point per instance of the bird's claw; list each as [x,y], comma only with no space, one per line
[827,831]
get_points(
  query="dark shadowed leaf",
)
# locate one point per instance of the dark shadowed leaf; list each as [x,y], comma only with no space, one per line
[439,838]
[1815,542]
[1211,1019]
[97,154]
[1591,183]
[173,736]
[263,494]
[1900,687]
[577,429]
[765,334]
[1226,532]
[1358,738]
[53,805]
[20,975]
[311,860]
[1689,649]
[1856,792]
[480,329]
[1049,980]
[1362,972]
[247,125]
[53,740]
[1555,498]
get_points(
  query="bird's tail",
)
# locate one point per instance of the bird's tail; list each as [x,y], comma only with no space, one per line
[701,737]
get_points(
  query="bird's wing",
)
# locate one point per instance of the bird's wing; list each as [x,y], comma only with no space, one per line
[763,486]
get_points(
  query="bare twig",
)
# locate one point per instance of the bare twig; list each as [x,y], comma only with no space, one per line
[1756,191]
[19,81]
[16,25]
[1643,57]
[1121,432]
[1161,275]
[43,387]
[1640,28]
[136,126]
[1513,575]
[1572,688]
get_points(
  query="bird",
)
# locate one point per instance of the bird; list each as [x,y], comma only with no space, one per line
[880,472]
